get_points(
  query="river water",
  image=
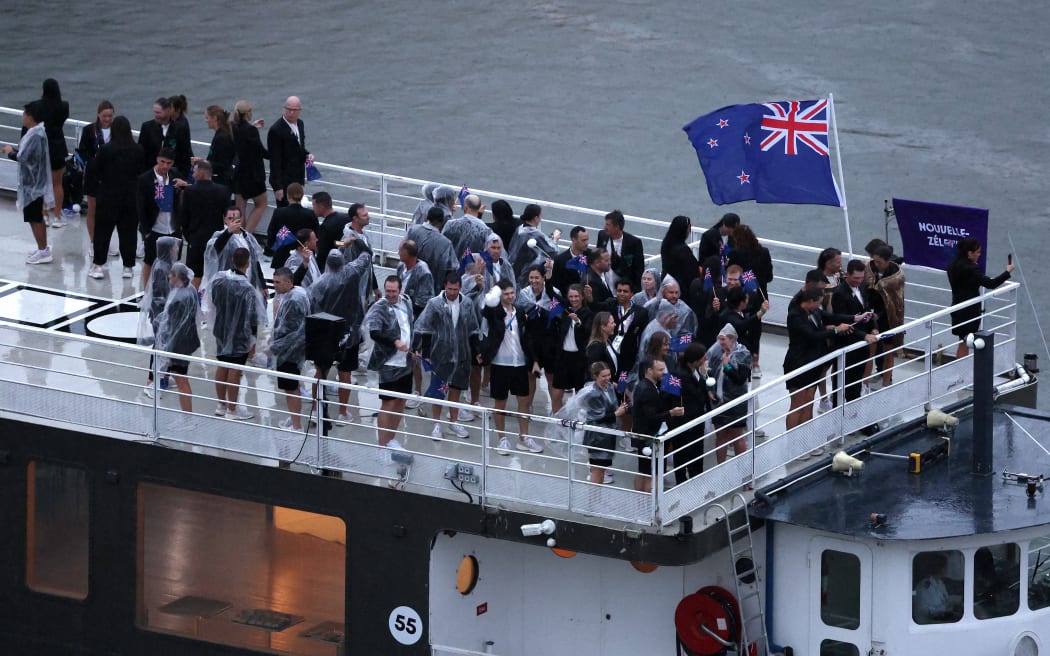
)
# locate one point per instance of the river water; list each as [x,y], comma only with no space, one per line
[582,101]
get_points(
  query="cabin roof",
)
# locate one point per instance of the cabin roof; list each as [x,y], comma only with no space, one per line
[945,500]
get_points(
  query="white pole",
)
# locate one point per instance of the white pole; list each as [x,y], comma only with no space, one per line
[842,179]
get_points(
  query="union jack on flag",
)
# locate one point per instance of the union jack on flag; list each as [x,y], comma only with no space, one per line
[740,152]
[578,263]
[679,342]
[621,382]
[749,281]
[164,197]
[283,238]
[671,384]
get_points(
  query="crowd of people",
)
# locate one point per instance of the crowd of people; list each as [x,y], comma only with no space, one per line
[621,343]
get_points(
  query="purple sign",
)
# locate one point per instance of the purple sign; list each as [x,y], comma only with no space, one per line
[930,232]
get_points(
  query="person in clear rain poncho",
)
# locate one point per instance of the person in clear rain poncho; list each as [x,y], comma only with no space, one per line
[154,298]
[340,291]
[447,334]
[668,318]
[176,328]
[649,289]
[389,324]
[429,191]
[671,293]
[288,340]
[729,363]
[467,231]
[239,312]
[219,252]
[36,194]
[529,247]
[301,261]
[434,248]
[490,266]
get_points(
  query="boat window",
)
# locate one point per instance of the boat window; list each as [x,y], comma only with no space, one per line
[57,518]
[996,581]
[839,590]
[838,648]
[937,587]
[240,573]
[1039,573]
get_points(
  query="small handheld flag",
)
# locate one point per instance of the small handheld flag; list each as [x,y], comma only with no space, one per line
[488,260]
[621,382]
[438,388]
[749,281]
[578,264]
[463,193]
[466,260]
[671,385]
[164,196]
[312,174]
[284,238]
[709,283]
[556,310]
[679,342]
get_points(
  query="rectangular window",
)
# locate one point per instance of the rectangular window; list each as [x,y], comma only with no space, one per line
[996,581]
[838,648]
[839,590]
[57,518]
[241,573]
[937,587]
[1039,573]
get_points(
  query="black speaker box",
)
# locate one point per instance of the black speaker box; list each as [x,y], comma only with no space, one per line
[323,332]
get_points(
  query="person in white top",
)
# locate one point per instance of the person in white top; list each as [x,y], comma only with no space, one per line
[389,324]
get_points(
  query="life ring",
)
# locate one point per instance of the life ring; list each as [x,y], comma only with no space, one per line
[711,607]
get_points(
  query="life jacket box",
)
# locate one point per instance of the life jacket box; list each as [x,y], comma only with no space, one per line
[323,333]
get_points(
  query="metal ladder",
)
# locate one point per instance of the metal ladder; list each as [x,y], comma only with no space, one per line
[741,545]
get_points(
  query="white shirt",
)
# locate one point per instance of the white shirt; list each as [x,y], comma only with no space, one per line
[105,135]
[162,226]
[295,129]
[570,337]
[856,294]
[453,308]
[510,353]
[400,358]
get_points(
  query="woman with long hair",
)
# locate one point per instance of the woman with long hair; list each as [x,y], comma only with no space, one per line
[599,406]
[678,259]
[966,279]
[117,167]
[222,151]
[92,138]
[754,257]
[249,180]
[600,348]
[55,111]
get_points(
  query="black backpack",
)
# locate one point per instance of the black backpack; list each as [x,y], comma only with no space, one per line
[73,180]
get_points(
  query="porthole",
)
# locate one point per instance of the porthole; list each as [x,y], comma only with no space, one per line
[644,568]
[467,575]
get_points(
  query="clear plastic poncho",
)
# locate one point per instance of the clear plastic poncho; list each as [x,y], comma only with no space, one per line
[643,297]
[295,260]
[216,262]
[466,232]
[356,244]
[522,256]
[490,275]
[238,313]
[419,285]
[288,337]
[382,318]
[156,294]
[588,406]
[436,250]
[338,290]
[665,317]
[34,169]
[177,323]
[450,345]
[431,191]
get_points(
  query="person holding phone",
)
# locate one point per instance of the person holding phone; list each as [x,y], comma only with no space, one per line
[966,279]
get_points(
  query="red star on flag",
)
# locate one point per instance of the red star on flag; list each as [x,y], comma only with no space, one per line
[723,123]
[747,138]
[744,178]
[713,143]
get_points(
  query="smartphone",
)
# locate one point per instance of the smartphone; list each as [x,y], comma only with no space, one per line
[1010,258]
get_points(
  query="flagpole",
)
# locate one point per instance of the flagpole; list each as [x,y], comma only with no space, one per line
[842,179]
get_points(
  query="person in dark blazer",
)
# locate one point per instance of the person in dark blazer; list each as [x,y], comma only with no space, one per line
[716,236]
[597,291]
[503,222]
[161,132]
[677,258]
[115,169]
[625,250]
[535,299]
[249,179]
[561,276]
[852,297]
[631,320]
[752,256]
[286,143]
[651,409]
[223,151]
[688,447]
[572,331]
[295,217]
[600,346]
[154,223]
[966,279]
[199,216]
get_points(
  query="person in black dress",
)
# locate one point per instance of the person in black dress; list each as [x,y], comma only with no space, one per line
[678,259]
[55,111]
[966,279]
[249,180]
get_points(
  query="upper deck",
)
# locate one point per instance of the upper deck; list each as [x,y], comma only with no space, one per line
[56,368]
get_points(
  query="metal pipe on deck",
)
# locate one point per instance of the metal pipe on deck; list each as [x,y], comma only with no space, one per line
[983,393]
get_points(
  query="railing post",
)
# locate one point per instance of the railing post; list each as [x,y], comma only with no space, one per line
[928,361]
[382,194]
[753,403]
[319,416]
[155,382]
[658,480]
[568,466]
[483,494]
[840,393]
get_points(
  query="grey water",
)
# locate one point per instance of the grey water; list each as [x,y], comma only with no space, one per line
[582,101]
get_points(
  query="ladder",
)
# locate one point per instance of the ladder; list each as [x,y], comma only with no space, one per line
[738,530]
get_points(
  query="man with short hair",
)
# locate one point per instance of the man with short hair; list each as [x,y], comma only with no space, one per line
[155,201]
[389,324]
[220,249]
[417,284]
[355,242]
[286,144]
[288,341]
[302,261]
[718,237]
[597,292]
[331,226]
[293,216]
[434,248]
[625,250]
[853,298]
[238,314]
[561,275]
[448,332]
[521,255]
[468,231]
[35,191]
[200,215]
[652,409]
[162,132]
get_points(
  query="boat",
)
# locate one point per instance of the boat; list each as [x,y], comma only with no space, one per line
[131,527]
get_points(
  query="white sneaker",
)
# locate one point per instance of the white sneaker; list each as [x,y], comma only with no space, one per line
[240,414]
[40,257]
[414,402]
[97,272]
[608,480]
[459,431]
[220,410]
[865,389]
[286,424]
[140,251]
[825,405]
[58,223]
[148,391]
[467,415]
[504,447]
[528,444]
[128,273]
[436,433]
[756,372]
[626,446]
